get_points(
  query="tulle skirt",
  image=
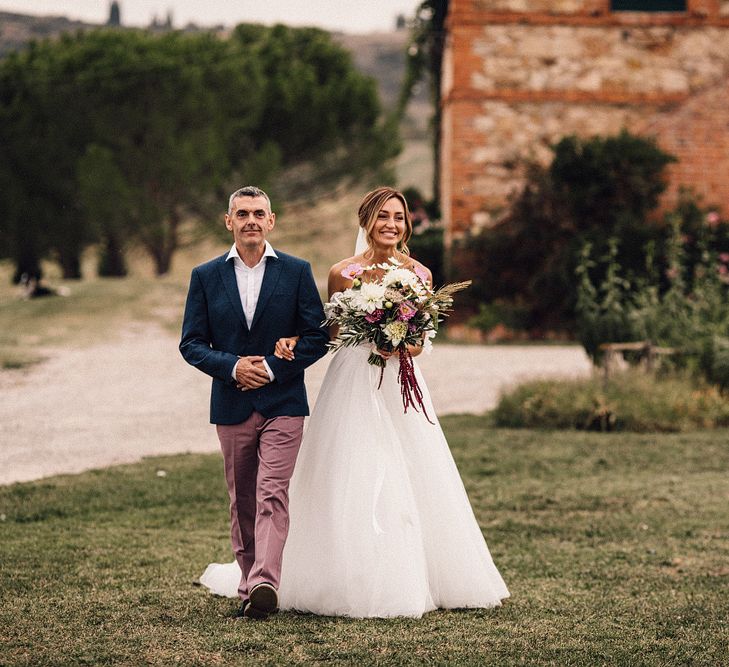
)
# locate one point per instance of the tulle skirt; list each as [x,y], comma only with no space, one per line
[380,524]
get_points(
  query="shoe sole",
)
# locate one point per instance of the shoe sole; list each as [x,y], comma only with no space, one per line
[264,598]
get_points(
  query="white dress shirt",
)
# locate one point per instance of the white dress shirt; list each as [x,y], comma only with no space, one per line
[249,281]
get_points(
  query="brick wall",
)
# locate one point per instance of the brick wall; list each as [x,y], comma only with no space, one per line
[520,74]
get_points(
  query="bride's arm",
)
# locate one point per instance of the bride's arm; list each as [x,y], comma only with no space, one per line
[415,350]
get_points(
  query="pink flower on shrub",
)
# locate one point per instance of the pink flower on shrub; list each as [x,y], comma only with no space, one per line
[724,257]
[712,219]
[672,273]
[406,311]
[352,271]
[723,270]
[374,316]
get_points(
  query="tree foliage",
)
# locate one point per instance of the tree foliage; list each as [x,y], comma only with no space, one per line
[425,61]
[118,136]
[595,189]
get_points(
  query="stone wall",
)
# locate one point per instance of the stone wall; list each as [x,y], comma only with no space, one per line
[519,75]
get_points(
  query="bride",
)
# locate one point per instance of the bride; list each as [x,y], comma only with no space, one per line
[380,524]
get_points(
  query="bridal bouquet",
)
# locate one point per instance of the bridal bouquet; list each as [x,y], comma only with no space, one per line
[398,310]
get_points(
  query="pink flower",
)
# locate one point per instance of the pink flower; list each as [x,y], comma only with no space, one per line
[672,273]
[352,271]
[724,257]
[374,316]
[723,271]
[712,219]
[421,273]
[406,311]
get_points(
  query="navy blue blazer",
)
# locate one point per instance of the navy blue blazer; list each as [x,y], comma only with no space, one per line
[215,334]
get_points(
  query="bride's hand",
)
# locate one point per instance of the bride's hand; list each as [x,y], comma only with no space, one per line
[415,350]
[385,354]
[285,348]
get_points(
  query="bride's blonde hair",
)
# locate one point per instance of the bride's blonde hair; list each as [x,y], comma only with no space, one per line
[371,205]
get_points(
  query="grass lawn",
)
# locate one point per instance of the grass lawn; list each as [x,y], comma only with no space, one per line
[615,549]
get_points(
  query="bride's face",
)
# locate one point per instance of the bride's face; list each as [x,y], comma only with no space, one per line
[389,227]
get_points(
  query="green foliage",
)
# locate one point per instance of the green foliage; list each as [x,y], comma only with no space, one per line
[630,401]
[118,137]
[603,314]
[316,105]
[425,61]
[491,314]
[593,190]
[426,243]
[689,313]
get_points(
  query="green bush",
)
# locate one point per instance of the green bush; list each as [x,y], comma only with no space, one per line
[491,314]
[685,307]
[594,189]
[630,401]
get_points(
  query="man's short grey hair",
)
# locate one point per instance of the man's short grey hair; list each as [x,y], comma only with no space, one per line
[248,191]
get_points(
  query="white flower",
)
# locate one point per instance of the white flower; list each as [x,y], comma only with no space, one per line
[395,332]
[403,276]
[370,297]
[428,341]
[334,306]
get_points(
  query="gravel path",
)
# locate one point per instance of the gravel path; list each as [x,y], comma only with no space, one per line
[120,401]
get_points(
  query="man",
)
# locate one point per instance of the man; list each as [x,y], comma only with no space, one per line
[238,306]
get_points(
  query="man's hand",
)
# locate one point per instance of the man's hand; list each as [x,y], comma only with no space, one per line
[250,373]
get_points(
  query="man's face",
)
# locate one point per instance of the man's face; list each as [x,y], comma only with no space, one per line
[250,220]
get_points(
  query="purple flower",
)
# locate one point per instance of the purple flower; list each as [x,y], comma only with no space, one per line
[406,311]
[374,316]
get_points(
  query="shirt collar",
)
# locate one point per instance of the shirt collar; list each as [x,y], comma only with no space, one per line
[267,252]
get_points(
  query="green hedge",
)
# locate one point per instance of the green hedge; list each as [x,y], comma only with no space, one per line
[629,401]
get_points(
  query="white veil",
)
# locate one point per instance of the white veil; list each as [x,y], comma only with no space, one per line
[361,245]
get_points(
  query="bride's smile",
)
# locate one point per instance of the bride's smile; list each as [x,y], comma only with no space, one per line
[389,227]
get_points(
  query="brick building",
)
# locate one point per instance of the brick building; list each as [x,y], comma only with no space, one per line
[520,74]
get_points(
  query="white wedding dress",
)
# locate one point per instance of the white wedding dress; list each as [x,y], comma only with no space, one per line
[380,522]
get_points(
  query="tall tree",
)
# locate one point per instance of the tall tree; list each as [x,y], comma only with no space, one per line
[425,61]
[120,136]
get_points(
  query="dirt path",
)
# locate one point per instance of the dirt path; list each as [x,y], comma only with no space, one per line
[119,401]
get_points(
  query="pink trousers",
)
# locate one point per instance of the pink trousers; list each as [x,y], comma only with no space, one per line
[259,456]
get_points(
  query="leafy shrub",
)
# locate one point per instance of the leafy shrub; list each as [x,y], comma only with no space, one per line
[632,401]
[686,308]
[491,314]
[594,189]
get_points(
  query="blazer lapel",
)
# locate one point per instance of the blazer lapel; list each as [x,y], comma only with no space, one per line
[227,273]
[270,279]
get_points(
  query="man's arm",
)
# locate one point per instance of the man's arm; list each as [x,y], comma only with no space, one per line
[195,345]
[313,338]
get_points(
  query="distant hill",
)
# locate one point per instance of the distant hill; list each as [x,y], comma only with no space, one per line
[16,30]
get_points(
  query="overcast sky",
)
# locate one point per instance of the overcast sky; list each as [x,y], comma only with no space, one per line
[344,15]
